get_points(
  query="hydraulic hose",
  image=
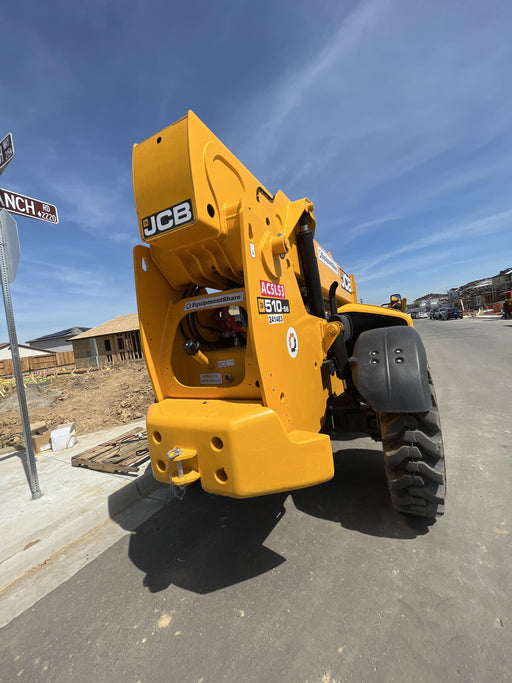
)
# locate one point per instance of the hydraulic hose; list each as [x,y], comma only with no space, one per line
[310,272]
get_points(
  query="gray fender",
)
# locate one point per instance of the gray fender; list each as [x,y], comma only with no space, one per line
[390,371]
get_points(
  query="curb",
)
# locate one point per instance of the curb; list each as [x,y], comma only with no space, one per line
[40,545]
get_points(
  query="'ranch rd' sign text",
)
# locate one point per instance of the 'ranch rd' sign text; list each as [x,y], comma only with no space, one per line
[27,206]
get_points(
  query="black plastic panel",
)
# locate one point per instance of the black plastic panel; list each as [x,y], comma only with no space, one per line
[389,368]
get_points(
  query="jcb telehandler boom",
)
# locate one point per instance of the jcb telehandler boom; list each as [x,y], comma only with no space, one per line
[256,346]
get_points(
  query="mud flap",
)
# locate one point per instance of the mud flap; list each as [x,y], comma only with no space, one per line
[389,368]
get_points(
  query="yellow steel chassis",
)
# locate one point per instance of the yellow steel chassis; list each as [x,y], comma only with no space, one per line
[244,420]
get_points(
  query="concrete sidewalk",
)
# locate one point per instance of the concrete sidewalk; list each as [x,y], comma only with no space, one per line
[75,501]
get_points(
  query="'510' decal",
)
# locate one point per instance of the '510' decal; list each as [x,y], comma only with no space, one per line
[270,306]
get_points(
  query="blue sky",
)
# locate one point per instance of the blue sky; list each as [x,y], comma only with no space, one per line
[392,116]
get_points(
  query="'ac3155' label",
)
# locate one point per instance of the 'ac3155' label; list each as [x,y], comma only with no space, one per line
[164,220]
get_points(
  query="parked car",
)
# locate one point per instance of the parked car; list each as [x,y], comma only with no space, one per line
[449,314]
[422,314]
[434,313]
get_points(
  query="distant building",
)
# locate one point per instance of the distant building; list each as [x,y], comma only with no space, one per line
[58,341]
[485,292]
[24,351]
[490,291]
[114,340]
[429,301]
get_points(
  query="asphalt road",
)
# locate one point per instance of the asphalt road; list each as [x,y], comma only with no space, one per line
[326,584]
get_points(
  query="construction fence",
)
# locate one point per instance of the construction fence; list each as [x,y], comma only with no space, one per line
[49,363]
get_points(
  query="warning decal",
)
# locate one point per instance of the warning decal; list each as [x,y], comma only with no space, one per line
[210,377]
[225,363]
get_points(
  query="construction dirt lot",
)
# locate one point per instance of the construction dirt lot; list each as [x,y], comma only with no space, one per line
[93,400]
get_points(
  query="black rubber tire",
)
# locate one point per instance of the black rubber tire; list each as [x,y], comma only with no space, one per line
[414,461]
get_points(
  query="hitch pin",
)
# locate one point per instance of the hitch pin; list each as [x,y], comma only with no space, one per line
[177,452]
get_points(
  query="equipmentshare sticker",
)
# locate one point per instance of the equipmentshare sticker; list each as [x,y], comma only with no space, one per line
[214,301]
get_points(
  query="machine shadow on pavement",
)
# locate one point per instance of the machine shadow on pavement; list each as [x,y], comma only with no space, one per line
[357,498]
[204,542]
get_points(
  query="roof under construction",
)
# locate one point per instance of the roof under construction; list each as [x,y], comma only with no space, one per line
[123,323]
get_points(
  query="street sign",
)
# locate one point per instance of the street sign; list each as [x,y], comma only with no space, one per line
[27,206]
[6,151]
[9,259]
[8,264]
[11,243]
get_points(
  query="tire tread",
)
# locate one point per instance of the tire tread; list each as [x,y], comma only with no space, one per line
[414,461]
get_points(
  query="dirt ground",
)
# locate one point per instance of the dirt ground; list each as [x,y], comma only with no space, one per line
[95,400]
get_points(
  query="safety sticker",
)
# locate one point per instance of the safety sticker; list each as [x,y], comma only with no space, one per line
[292,342]
[324,258]
[271,289]
[270,306]
[275,319]
[225,363]
[210,377]
[214,301]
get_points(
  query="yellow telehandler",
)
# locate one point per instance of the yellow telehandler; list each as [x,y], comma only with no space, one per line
[257,349]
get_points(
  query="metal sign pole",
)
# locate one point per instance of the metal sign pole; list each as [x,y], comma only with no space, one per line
[18,376]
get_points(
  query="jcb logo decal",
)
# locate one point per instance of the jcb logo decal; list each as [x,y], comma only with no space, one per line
[173,217]
[346,282]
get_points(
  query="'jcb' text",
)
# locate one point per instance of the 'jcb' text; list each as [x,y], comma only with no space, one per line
[173,217]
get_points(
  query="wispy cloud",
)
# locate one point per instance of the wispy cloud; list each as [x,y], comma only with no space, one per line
[72,280]
[394,87]
[99,208]
[397,130]
[296,91]
[468,228]
[61,295]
